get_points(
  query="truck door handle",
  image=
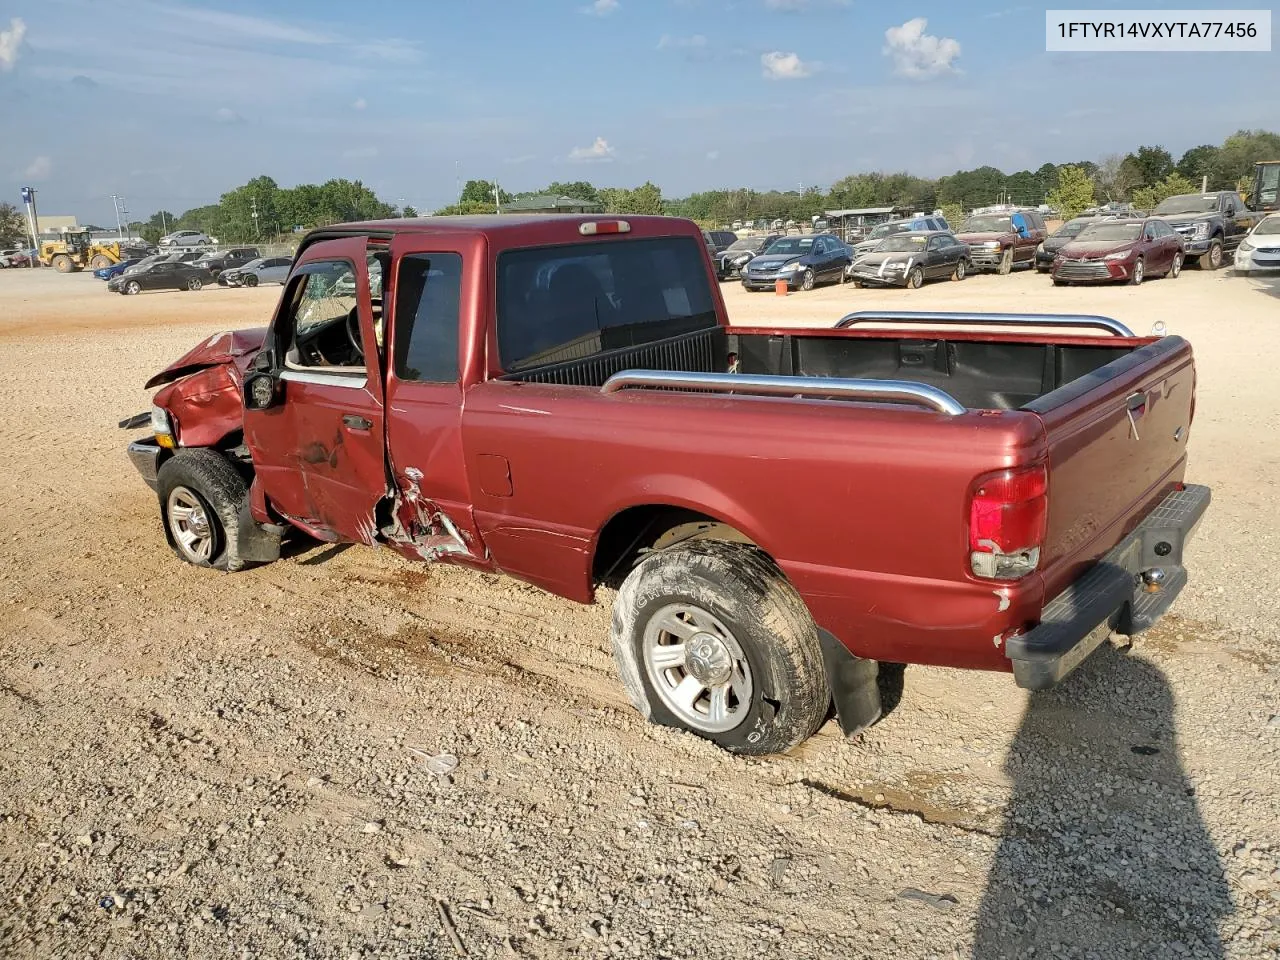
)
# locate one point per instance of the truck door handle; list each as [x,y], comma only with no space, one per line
[356,422]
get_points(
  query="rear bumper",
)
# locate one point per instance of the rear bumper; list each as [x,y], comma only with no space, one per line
[1112,595]
[146,455]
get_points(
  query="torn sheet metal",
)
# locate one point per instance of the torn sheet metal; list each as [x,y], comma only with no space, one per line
[419,527]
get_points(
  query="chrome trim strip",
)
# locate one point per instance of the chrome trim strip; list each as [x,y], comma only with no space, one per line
[325,379]
[993,319]
[900,390]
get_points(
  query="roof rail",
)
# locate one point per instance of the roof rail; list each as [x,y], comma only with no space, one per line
[992,319]
[902,391]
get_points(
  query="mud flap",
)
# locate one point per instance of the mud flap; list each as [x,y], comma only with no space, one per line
[253,543]
[853,685]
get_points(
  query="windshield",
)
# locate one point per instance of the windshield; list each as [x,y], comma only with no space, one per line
[790,246]
[1071,228]
[911,242]
[1268,227]
[885,229]
[751,244]
[1111,231]
[1192,203]
[987,225]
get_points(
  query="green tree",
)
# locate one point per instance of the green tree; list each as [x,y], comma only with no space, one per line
[1074,192]
[578,189]
[1198,162]
[13,226]
[1114,178]
[1146,198]
[971,188]
[481,192]
[1023,188]
[1239,153]
[1048,177]
[409,211]
[1149,165]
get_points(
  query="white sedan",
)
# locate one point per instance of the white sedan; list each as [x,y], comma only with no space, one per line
[1260,250]
[185,238]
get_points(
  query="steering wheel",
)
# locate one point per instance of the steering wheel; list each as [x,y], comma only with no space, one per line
[353,332]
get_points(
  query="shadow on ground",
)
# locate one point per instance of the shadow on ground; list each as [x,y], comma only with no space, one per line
[1103,851]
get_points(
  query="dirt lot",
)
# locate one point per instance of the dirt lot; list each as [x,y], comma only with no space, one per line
[201,765]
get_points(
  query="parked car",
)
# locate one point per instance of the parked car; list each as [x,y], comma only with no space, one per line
[164,275]
[147,261]
[732,259]
[741,614]
[261,270]
[1110,251]
[891,227]
[186,238]
[909,259]
[115,269]
[1047,251]
[722,240]
[998,241]
[1259,252]
[14,257]
[216,262]
[1211,224]
[802,261]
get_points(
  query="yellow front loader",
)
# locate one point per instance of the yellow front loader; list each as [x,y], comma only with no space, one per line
[78,251]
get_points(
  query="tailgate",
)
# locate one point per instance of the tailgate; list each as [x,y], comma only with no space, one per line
[1117,444]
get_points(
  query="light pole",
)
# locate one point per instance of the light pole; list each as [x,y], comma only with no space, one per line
[115,202]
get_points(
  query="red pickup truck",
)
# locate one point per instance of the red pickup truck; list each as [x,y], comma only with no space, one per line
[781,510]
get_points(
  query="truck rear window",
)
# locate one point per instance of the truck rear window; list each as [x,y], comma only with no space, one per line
[567,302]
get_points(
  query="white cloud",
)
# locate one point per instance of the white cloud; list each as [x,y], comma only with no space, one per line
[918,55]
[38,169]
[598,151]
[785,66]
[601,8]
[360,153]
[360,103]
[713,154]
[250,28]
[227,115]
[10,41]
[668,42]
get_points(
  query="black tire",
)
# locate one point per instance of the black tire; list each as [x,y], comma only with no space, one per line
[915,279]
[1059,283]
[806,279]
[1139,272]
[130,288]
[1006,262]
[220,489]
[1175,268]
[1211,259]
[64,264]
[100,261]
[741,588]
[250,280]
[195,283]
[961,271]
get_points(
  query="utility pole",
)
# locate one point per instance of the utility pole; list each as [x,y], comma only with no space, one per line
[115,202]
[164,222]
[1204,184]
[253,202]
[33,222]
[497,198]
[457,179]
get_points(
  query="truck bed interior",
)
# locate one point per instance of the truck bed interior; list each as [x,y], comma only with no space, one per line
[987,375]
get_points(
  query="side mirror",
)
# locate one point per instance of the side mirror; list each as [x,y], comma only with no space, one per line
[262,390]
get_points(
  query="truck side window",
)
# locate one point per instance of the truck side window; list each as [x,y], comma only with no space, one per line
[428,289]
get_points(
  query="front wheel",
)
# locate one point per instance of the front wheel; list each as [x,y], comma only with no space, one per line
[132,287]
[710,637]
[961,271]
[194,283]
[806,279]
[1006,263]
[100,261]
[200,498]
[63,264]
[250,280]
[1175,268]
[1139,272]
[1212,258]
[915,279]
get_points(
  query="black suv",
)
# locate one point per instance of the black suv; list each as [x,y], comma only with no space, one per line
[227,259]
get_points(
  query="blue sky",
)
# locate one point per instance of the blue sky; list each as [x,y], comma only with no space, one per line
[171,102]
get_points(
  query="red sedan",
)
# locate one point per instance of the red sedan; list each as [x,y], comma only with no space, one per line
[1111,251]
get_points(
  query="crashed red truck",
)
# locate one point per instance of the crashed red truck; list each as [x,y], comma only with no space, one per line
[781,510]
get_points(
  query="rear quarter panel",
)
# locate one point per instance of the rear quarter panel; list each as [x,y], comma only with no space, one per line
[863,506]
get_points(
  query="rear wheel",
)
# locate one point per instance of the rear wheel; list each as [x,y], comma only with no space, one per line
[1006,263]
[915,279]
[1211,259]
[710,637]
[200,498]
[63,264]
[1139,272]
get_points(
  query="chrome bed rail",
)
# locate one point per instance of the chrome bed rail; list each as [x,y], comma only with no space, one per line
[990,319]
[901,391]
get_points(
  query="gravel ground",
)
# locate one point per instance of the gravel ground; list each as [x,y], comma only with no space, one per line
[201,765]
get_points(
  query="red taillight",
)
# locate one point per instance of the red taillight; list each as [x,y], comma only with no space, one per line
[1008,511]
[593,227]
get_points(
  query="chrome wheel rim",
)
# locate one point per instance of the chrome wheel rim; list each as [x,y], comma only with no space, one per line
[1215,255]
[698,668]
[960,270]
[193,284]
[1138,272]
[1177,265]
[189,522]
[132,287]
[808,280]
